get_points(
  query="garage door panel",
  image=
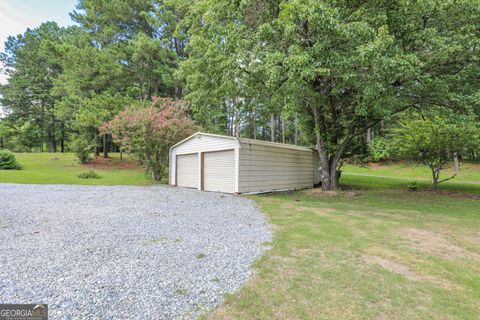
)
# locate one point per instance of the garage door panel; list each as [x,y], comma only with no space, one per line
[219,171]
[187,170]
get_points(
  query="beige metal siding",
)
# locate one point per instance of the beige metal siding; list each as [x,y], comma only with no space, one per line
[247,166]
[201,143]
[187,170]
[219,171]
[268,168]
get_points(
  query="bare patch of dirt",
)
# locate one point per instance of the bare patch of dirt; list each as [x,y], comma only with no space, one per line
[306,252]
[392,266]
[394,216]
[471,165]
[435,244]
[111,163]
[377,165]
[405,271]
[321,193]
[320,211]
[451,194]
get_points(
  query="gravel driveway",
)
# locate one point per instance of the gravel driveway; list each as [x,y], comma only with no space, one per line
[125,252]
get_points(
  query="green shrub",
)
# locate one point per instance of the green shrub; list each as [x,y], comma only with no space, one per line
[357,159]
[8,161]
[90,174]
[413,186]
[379,149]
[82,150]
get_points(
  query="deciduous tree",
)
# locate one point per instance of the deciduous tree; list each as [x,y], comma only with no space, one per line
[342,66]
[434,139]
[149,131]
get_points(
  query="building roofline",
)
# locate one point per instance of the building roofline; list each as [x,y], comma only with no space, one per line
[245,141]
[202,134]
[273,144]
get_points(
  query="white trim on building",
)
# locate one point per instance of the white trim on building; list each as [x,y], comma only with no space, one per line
[242,165]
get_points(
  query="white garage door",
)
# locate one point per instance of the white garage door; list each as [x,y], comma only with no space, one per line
[187,170]
[219,171]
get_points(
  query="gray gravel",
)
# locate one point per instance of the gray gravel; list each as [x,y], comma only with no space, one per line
[125,252]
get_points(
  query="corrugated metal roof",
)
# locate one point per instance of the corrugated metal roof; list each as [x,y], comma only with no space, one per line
[248,141]
[273,144]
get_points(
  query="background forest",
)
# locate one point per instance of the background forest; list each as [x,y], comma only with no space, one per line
[351,78]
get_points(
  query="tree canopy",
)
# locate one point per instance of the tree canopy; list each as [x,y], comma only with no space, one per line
[343,66]
[326,74]
[434,138]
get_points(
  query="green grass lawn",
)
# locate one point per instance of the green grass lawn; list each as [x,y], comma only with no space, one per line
[63,168]
[366,253]
[375,251]
[469,172]
[399,175]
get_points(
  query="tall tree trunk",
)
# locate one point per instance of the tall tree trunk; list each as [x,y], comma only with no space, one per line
[456,164]
[237,120]
[179,49]
[254,124]
[272,127]
[51,137]
[231,118]
[96,151]
[369,135]
[435,176]
[105,146]
[382,128]
[328,163]
[42,126]
[283,129]
[62,137]
[296,129]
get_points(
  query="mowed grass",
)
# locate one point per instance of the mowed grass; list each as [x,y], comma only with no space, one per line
[366,253]
[375,251]
[399,175]
[63,168]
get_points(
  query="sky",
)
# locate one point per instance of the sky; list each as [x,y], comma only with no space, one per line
[18,15]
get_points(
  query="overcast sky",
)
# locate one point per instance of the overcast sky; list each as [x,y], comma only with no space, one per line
[18,15]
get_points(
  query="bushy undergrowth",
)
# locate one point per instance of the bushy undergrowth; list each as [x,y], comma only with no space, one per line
[8,161]
[90,174]
[379,149]
[82,150]
[413,186]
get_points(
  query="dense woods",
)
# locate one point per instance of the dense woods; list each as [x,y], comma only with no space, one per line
[335,75]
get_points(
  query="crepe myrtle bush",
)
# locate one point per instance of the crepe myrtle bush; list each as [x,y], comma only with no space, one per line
[8,161]
[148,131]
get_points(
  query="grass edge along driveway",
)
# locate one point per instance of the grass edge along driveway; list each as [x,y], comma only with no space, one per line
[64,168]
[371,254]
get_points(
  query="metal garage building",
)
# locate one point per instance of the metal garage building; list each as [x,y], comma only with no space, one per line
[234,165]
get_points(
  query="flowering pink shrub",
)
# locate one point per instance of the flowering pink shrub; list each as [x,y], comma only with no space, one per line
[148,132]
